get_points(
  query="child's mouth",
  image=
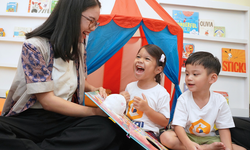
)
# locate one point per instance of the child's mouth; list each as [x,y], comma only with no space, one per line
[139,69]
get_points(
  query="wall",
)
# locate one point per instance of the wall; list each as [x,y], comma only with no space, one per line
[222,13]
[239,2]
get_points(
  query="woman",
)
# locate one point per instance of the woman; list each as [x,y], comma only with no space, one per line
[44,107]
[241,133]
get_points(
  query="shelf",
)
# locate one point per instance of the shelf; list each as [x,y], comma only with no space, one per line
[224,73]
[233,74]
[17,39]
[8,65]
[206,4]
[215,39]
[26,15]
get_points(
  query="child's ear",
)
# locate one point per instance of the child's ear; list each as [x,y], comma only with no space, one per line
[158,69]
[213,78]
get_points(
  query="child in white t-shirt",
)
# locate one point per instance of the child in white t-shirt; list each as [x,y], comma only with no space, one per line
[148,106]
[199,109]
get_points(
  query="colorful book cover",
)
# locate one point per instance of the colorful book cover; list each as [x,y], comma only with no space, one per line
[233,60]
[188,20]
[206,27]
[11,7]
[53,4]
[219,31]
[225,94]
[188,49]
[39,6]
[132,130]
[21,31]
[2,33]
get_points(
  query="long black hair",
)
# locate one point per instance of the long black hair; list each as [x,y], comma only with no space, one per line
[63,27]
[156,52]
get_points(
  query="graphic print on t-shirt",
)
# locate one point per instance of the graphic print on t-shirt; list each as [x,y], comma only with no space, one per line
[200,126]
[133,113]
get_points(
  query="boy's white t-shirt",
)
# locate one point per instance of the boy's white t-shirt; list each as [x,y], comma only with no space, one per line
[158,99]
[201,121]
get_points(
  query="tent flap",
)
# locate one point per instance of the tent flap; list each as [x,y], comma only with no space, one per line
[117,28]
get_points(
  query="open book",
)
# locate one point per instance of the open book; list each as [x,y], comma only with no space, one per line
[132,130]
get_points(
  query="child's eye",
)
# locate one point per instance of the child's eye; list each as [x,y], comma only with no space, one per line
[195,74]
[186,74]
[138,57]
[147,59]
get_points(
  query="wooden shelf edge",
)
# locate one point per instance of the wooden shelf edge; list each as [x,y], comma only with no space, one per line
[215,39]
[233,74]
[17,39]
[27,15]
[229,74]
[205,4]
[8,66]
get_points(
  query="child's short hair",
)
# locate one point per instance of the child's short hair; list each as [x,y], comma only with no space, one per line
[207,60]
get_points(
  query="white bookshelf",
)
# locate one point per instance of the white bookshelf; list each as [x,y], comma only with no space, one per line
[10,47]
[235,18]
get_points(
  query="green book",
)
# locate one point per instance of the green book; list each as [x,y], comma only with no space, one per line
[219,31]
[53,4]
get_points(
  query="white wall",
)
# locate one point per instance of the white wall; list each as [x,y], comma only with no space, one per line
[235,19]
[244,3]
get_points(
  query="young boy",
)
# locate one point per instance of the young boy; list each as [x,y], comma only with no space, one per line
[199,109]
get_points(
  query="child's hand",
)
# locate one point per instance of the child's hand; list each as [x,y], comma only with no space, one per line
[141,104]
[126,95]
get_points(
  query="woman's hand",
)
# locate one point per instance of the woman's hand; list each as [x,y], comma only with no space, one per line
[102,92]
[91,88]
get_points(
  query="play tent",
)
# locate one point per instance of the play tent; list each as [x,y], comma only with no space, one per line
[125,26]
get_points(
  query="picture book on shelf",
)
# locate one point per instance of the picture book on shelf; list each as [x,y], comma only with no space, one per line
[53,4]
[219,31]
[206,27]
[20,31]
[225,94]
[188,48]
[2,33]
[233,60]
[188,20]
[132,130]
[11,7]
[39,6]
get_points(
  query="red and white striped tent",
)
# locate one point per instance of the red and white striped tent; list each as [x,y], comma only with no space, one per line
[125,26]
